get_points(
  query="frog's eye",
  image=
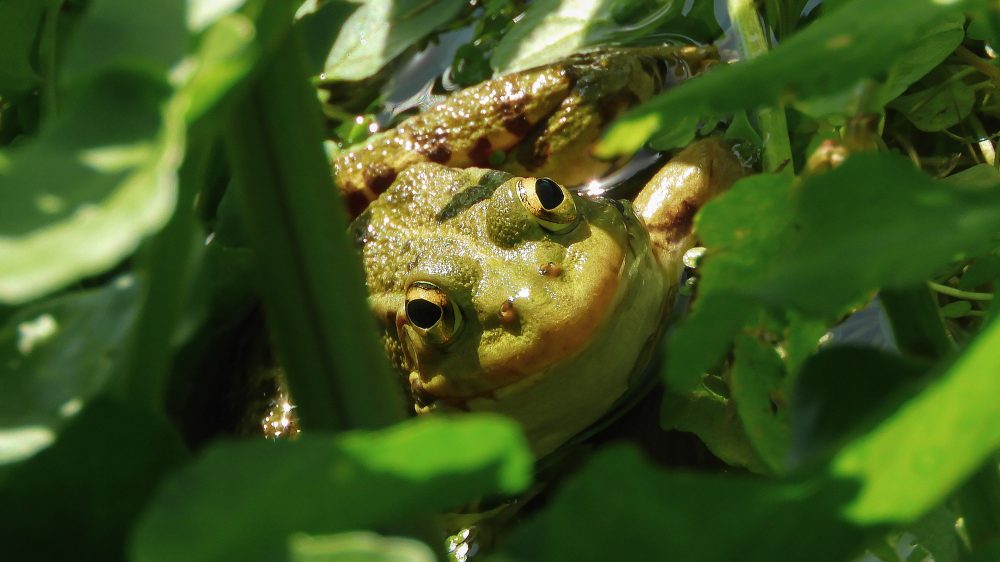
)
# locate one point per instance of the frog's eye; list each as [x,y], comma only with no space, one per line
[431,312]
[550,203]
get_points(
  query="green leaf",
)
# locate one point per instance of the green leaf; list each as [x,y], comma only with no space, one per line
[927,52]
[619,507]
[757,384]
[936,532]
[56,355]
[78,499]
[841,392]
[911,461]
[382,29]
[873,222]
[555,29]
[310,276]
[78,199]
[241,501]
[938,107]
[358,546]
[710,414]
[320,28]
[148,37]
[19,24]
[862,39]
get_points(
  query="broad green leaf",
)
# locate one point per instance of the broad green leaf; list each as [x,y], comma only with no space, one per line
[242,501]
[842,391]
[320,28]
[873,222]
[899,469]
[555,29]
[927,52]
[620,507]
[78,199]
[938,107]
[56,355]
[148,36]
[382,29]
[861,39]
[757,383]
[911,461]
[358,546]
[77,499]
[816,248]
[709,413]
[20,21]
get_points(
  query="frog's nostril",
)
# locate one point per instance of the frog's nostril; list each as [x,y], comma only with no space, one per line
[549,194]
[618,205]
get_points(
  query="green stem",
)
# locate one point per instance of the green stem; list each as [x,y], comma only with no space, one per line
[167,267]
[960,294]
[47,58]
[772,120]
[309,274]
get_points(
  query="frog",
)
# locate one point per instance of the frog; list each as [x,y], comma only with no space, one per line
[496,286]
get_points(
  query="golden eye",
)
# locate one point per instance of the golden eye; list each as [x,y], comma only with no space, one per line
[432,313]
[550,203]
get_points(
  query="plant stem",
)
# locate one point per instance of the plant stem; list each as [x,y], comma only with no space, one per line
[960,294]
[772,120]
[309,274]
[166,266]
[47,58]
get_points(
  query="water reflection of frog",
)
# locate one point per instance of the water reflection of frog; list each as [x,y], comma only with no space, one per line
[503,291]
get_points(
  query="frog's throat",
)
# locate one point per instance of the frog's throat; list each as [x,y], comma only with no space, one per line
[564,399]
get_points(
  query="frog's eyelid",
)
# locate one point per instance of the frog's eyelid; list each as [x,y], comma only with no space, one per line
[550,203]
[435,316]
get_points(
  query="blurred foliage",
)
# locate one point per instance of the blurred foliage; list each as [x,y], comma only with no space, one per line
[163,187]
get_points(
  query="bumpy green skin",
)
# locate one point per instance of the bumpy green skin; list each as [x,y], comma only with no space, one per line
[554,324]
[539,123]
[587,302]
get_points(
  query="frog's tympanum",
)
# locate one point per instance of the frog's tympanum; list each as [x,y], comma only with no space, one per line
[501,290]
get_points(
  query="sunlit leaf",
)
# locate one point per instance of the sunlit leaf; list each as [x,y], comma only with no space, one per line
[930,444]
[357,546]
[241,501]
[78,199]
[381,29]
[55,355]
[554,29]
[861,39]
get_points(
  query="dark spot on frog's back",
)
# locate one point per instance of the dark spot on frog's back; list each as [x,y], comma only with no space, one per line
[480,152]
[440,154]
[517,125]
[378,177]
[471,195]
[679,224]
[355,200]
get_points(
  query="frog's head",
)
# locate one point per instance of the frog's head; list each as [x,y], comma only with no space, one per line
[516,295]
